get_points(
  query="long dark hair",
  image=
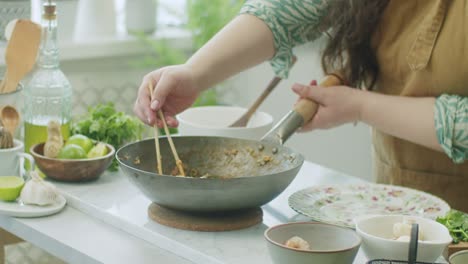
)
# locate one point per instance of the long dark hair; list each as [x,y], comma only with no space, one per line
[350,25]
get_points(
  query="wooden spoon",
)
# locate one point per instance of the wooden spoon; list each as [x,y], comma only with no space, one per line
[10,118]
[20,54]
[244,119]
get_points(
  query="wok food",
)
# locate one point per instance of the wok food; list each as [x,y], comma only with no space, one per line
[225,161]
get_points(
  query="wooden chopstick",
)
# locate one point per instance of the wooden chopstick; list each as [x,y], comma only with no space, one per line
[179,163]
[156,137]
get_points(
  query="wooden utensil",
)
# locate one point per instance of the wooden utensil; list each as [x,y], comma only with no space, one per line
[10,118]
[156,137]
[20,54]
[244,119]
[178,162]
[308,108]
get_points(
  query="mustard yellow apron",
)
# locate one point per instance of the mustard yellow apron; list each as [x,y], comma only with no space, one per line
[422,50]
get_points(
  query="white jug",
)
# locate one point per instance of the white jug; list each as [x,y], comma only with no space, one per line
[140,15]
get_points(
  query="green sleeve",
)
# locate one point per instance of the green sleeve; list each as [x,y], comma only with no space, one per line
[292,22]
[451,122]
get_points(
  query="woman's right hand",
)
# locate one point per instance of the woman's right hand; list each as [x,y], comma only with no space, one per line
[175,90]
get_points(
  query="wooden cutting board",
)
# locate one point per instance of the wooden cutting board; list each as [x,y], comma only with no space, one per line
[452,248]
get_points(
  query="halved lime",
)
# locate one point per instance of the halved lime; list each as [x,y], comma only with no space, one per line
[10,187]
[98,151]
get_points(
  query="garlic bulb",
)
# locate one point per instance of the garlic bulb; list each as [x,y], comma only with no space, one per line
[54,140]
[38,192]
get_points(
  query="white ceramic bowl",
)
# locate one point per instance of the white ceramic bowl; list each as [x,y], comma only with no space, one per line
[214,121]
[378,243]
[460,257]
[329,244]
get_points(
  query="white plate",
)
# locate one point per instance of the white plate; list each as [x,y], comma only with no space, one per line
[340,204]
[17,209]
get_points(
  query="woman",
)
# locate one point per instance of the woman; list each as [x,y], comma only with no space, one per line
[409,56]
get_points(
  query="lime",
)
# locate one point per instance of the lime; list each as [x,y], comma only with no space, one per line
[10,187]
[98,151]
[82,141]
[72,151]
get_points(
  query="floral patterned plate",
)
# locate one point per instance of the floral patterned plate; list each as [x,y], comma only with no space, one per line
[340,204]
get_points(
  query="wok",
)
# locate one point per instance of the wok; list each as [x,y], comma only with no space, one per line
[232,174]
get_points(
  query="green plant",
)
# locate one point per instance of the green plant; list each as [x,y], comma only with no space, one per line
[104,123]
[206,18]
[457,224]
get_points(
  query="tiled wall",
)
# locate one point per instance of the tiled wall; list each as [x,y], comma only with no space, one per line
[103,80]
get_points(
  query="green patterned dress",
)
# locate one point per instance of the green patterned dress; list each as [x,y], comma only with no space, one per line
[295,22]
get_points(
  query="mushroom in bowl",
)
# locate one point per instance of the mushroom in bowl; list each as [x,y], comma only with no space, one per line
[387,237]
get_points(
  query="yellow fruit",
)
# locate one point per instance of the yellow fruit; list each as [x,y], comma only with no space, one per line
[72,151]
[98,151]
[10,187]
[82,141]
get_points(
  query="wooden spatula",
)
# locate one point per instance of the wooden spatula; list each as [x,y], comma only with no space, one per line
[244,119]
[20,54]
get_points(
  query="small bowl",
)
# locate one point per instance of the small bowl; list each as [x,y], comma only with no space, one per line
[329,244]
[215,121]
[72,170]
[378,243]
[459,257]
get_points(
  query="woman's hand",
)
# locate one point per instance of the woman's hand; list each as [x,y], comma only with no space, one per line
[175,90]
[408,118]
[337,105]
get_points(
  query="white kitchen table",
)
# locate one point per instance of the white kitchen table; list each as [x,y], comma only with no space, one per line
[105,221]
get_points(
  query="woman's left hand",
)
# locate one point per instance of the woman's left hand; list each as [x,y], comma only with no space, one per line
[337,105]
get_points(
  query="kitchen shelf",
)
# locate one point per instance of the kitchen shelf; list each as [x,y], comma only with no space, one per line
[123,45]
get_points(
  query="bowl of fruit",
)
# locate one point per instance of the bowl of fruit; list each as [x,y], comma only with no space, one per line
[77,159]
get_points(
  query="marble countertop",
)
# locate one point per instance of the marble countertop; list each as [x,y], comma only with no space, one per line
[106,221]
[113,200]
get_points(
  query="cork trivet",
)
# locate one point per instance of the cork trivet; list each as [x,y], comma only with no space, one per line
[210,222]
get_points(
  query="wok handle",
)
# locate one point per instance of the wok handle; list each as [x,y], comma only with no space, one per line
[302,113]
[308,108]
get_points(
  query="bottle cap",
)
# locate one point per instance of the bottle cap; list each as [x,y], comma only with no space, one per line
[50,9]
